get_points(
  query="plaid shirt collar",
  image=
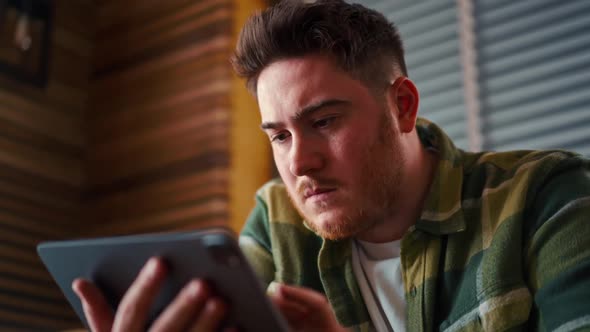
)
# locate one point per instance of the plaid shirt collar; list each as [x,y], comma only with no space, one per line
[442,213]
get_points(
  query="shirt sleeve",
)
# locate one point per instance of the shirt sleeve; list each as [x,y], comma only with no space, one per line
[255,242]
[558,247]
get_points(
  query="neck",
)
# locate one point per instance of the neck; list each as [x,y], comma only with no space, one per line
[414,187]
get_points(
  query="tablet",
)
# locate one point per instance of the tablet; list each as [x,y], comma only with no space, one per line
[112,263]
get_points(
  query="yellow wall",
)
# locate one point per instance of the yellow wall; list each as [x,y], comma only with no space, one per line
[249,149]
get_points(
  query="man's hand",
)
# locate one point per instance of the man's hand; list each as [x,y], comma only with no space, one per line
[195,308]
[305,310]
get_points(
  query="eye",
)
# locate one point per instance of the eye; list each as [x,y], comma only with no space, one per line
[323,123]
[280,137]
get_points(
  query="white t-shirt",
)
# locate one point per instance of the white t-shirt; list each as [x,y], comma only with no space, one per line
[378,271]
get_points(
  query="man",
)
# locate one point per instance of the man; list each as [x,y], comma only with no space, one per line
[379,222]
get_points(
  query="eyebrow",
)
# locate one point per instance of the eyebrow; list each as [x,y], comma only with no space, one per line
[306,111]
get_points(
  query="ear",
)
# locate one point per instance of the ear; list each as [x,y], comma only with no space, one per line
[404,95]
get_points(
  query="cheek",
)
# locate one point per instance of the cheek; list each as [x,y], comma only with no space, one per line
[348,153]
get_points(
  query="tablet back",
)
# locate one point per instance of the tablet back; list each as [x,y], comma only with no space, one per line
[112,264]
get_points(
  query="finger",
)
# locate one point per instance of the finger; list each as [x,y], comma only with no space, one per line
[134,307]
[320,317]
[186,305]
[99,314]
[287,306]
[305,297]
[294,313]
[281,299]
[211,316]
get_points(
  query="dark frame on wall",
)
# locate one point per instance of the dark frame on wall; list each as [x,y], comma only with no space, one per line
[25,27]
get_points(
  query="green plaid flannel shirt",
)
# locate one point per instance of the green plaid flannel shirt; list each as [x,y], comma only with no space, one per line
[503,243]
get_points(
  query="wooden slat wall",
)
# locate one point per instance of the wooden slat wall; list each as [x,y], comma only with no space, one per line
[134,133]
[41,171]
[159,120]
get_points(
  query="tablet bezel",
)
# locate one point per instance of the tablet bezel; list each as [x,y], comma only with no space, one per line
[211,254]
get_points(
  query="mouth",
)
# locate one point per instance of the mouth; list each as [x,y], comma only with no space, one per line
[317,192]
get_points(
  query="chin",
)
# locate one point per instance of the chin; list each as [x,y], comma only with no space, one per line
[334,226]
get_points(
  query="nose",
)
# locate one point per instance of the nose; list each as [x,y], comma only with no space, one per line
[305,157]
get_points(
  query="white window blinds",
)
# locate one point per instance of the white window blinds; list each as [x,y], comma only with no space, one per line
[429,30]
[532,68]
[534,65]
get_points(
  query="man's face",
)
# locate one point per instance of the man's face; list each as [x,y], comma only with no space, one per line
[336,147]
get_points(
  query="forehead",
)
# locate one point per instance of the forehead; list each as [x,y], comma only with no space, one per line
[288,85]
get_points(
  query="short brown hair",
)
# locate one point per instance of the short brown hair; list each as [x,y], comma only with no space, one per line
[360,40]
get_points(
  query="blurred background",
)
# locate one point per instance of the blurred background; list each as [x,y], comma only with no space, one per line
[121,117]
[500,74]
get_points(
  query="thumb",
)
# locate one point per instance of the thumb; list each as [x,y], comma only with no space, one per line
[309,309]
[96,309]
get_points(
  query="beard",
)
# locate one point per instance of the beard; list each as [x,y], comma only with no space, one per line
[373,196]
